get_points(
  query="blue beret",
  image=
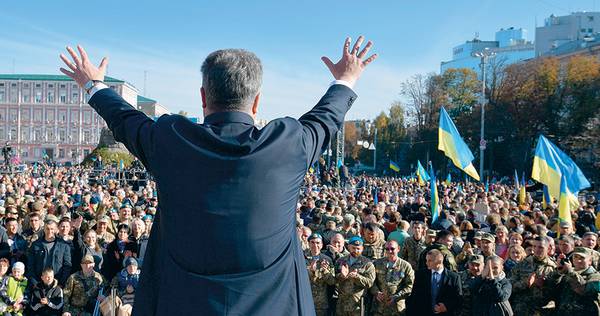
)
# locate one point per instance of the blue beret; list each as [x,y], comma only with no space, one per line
[356,241]
[315,236]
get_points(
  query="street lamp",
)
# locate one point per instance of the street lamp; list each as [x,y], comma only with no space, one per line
[484,55]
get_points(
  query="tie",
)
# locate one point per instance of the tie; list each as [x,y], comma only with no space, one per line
[435,288]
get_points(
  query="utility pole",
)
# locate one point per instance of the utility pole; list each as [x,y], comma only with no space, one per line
[484,55]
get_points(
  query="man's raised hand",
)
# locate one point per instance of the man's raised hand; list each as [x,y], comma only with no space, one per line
[82,69]
[352,63]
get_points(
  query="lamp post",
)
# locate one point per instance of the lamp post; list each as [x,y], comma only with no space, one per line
[484,55]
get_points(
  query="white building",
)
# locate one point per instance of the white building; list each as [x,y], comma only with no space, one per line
[559,30]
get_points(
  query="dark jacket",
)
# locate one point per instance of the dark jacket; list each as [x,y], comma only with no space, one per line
[210,178]
[450,294]
[4,247]
[490,297]
[140,248]
[80,250]
[60,260]
[53,293]
[114,257]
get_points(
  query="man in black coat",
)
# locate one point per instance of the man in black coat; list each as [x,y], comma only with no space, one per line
[49,251]
[436,291]
[224,239]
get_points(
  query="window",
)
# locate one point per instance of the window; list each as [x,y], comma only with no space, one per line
[50,135]
[26,95]
[62,96]
[12,115]
[13,93]
[590,30]
[2,114]
[25,153]
[86,152]
[87,136]
[74,116]
[38,96]
[75,97]
[62,135]
[63,86]
[2,135]
[62,116]
[590,18]
[87,117]
[582,30]
[2,97]
[25,135]
[37,115]
[61,153]
[50,116]
[50,98]
[25,115]
[12,136]
[37,135]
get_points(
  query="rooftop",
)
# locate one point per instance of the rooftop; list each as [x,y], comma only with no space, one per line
[48,77]
[143,99]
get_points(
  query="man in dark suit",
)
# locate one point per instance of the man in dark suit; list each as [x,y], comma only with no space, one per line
[224,239]
[437,290]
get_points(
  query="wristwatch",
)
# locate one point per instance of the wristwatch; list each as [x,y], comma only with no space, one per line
[90,84]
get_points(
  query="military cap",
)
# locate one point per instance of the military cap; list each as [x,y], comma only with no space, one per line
[37,206]
[489,237]
[356,241]
[104,219]
[590,234]
[315,236]
[431,232]
[583,251]
[88,259]
[565,224]
[475,259]
[51,218]
[478,234]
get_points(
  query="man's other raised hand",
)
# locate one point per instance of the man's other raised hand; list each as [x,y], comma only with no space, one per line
[352,63]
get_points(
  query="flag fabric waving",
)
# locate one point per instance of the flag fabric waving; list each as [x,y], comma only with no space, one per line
[394,166]
[564,205]
[455,148]
[435,203]
[421,173]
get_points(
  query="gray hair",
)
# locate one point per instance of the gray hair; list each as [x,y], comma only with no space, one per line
[231,79]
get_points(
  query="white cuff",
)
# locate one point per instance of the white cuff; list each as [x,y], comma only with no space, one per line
[342,82]
[97,87]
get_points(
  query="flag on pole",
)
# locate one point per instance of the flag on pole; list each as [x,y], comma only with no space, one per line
[339,163]
[421,173]
[435,203]
[522,192]
[455,148]
[550,164]
[459,187]
[517,186]
[121,164]
[394,166]
[487,185]
[564,203]
[449,179]
[546,199]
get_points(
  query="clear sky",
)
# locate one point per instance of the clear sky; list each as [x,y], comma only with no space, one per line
[169,40]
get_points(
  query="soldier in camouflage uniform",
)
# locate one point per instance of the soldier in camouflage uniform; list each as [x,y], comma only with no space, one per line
[414,245]
[443,241]
[528,280]
[589,241]
[320,273]
[393,282]
[373,247]
[577,286]
[102,233]
[82,288]
[354,274]
[336,249]
[468,279]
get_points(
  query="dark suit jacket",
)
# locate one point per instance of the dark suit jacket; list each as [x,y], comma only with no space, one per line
[419,303]
[224,241]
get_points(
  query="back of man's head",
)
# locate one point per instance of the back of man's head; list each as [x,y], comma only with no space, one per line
[231,79]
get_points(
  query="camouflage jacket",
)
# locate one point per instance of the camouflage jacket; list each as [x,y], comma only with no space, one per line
[411,250]
[320,279]
[468,282]
[352,289]
[374,250]
[395,280]
[449,262]
[579,292]
[80,291]
[532,297]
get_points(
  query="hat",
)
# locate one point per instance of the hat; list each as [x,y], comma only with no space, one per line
[349,218]
[88,259]
[590,234]
[129,261]
[478,235]
[2,210]
[583,251]
[19,266]
[51,218]
[315,236]
[431,233]
[475,259]
[565,224]
[147,217]
[37,206]
[104,219]
[489,237]
[356,241]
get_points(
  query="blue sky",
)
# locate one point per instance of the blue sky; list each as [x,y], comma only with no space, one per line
[170,39]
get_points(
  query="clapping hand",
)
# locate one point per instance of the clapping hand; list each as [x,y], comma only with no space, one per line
[344,270]
[351,65]
[82,69]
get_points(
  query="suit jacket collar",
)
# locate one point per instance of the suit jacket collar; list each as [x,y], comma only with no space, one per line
[229,117]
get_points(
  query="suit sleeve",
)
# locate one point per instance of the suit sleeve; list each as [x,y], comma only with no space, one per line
[129,126]
[321,123]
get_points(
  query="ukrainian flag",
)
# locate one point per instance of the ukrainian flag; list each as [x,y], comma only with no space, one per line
[435,201]
[564,205]
[421,173]
[522,192]
[516,180]
[448,179]
[394,166]
[550,164]
[455,148]
[546,199]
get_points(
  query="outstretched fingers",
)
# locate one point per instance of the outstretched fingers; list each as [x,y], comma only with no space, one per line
[84,56]
[74,56]
[103,64]
[346,50]
[357,45]
[68,62]
[68,73]
[365,50]
[369,60]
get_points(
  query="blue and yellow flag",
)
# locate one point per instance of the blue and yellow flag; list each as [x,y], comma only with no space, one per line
[517,186]
[421,174]
[550,164]
[339,163]
[435,201]
[522,192]
[121,164]
[564,203]
[546,199]
[394,166]
[455,148]
[449,179]
[487,185]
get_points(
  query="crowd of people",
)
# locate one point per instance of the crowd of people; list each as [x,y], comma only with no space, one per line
[67,240]
[371,248]
[72,241]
